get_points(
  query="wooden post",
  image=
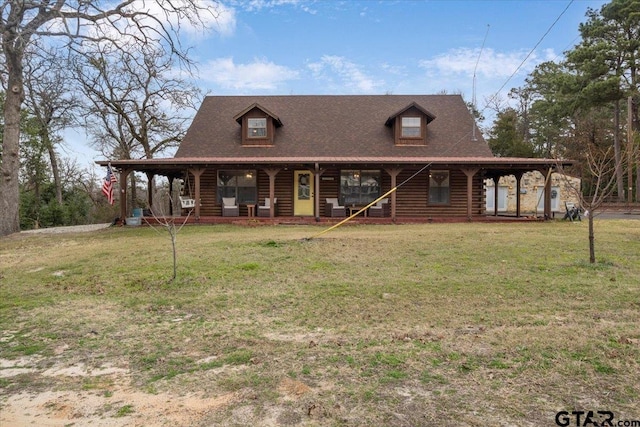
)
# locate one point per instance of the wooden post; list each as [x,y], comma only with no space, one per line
[547,195]
[393,173]
[171,179]
[124,173]
[496,181]
[150,176]
[518,176]
[317,174]
[272,190]
[196,185]
[470,172]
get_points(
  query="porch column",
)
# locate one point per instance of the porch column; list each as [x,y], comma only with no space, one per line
[470,172]
[272,190]
[393,173]
[171,179]
[496,181]
[547,194]
[124,173]
[317,174]
[150,176]
[196,188]
[518,176]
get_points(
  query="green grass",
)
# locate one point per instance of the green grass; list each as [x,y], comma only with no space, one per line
[461,324]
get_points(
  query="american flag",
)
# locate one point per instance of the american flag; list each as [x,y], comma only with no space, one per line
[107,185]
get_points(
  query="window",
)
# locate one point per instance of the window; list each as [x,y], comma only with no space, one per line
[439,187]
[411,127]
[359,187]
[240,184]
[257,128]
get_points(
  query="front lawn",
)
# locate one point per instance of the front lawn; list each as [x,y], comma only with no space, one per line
[394,325]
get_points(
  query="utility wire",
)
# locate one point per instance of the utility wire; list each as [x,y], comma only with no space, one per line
[388,193]
[529,54]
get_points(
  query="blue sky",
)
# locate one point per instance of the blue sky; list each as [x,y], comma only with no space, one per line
[306,47]
[377,47]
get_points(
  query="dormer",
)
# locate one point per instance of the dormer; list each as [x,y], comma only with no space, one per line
[410,125]
[258,126]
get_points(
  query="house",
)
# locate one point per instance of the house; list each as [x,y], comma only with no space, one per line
[424,153]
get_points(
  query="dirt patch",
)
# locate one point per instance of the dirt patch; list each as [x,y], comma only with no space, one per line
[113,403]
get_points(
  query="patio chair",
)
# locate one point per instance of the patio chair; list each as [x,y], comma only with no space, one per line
[229,207]
[332,208]
[381,209]
[572,212]
[265,211]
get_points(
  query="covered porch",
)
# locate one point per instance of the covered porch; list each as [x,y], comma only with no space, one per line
[278,184]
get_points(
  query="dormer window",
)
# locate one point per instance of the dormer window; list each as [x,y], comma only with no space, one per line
[257,128]
[411,127]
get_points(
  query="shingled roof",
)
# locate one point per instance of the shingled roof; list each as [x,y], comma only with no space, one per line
[333,126]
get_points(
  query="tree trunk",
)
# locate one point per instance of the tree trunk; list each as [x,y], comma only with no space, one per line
[172,233]
[10,166]
[618,152]
[53,158]
[592,240]
[638,179]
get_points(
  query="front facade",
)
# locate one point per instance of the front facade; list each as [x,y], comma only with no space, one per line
[328,156]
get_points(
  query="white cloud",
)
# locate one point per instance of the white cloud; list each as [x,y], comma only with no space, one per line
[492,64]
[225,21]
[258,5]
[156,19]
[257,75]
[348,73]
[210,15]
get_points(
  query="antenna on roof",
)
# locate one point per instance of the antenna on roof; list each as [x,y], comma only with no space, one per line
[473,96]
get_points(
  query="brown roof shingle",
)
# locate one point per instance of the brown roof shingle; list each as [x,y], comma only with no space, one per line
[315,126]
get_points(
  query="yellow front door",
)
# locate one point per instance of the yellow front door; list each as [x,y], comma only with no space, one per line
[303,193]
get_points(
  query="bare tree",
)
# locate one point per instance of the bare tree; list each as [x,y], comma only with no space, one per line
[168,223]
[138,106]
[75,22]
[598,184]
[48,100]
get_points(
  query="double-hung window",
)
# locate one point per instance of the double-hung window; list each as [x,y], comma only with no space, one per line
[257,128]
[411,127]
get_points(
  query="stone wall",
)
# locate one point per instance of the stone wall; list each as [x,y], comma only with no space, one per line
[563,189]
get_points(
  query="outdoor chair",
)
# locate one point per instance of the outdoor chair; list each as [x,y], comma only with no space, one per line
[265,210]
[572,212]
[229,207]
[381,209]
[332,208]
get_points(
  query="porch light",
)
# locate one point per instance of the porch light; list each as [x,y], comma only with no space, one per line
[249,175]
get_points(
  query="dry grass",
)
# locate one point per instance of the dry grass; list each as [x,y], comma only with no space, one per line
[465,324]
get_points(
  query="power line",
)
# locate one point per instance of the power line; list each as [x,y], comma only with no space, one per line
[530,52]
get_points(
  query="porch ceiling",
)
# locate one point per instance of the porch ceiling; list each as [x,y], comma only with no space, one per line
[168,166]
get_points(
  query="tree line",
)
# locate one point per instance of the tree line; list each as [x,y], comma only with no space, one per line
[583,107]
[115,69]
[113,72]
